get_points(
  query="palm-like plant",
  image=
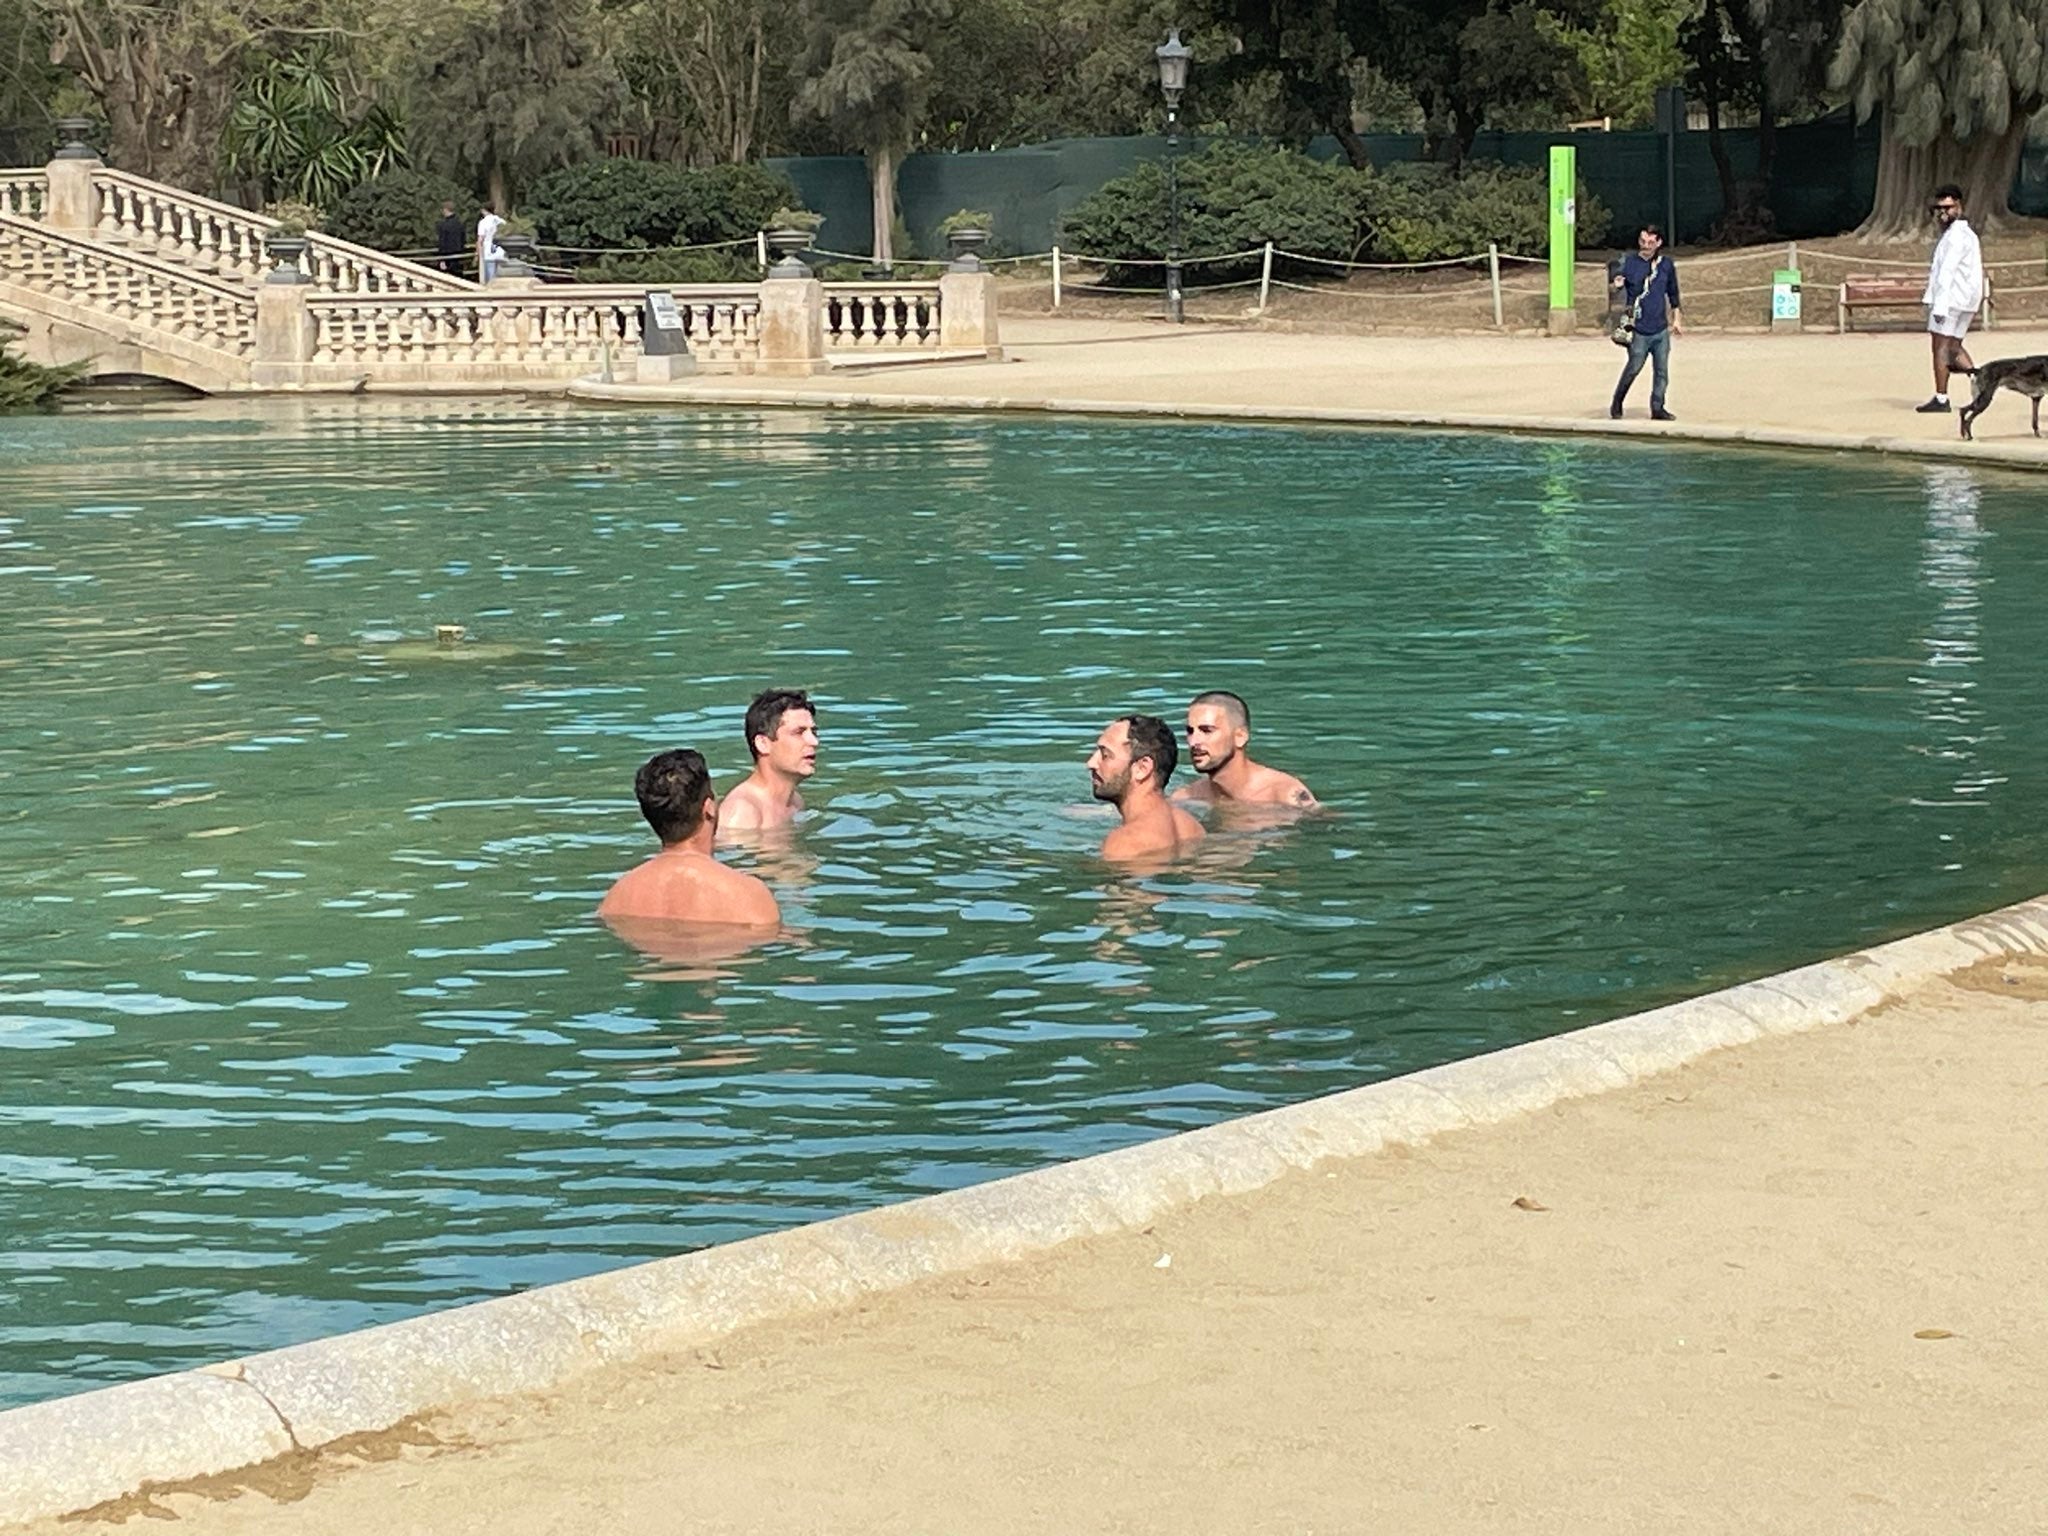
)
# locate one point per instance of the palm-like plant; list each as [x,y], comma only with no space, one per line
[289,130]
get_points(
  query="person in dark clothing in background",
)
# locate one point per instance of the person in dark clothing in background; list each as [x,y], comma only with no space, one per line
[1649,286]
[450,240]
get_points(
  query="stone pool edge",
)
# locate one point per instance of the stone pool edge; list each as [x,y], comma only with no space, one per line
[1984,455]
[71,1453]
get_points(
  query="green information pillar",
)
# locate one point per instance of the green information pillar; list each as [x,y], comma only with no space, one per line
[1564,232]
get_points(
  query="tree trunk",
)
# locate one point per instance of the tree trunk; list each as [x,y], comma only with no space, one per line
[1724,168]
[1907,175]
[500,190]
[1354,147]
[882,178]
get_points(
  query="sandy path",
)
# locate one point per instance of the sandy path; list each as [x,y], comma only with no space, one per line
[1859,385]
[1711,1324]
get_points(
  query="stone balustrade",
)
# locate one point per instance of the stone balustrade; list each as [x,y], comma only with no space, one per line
[862,317]
[549,332]
[79,276]
[22,192]
[218,237]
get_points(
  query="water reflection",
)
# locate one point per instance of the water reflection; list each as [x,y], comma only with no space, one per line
[1945,684]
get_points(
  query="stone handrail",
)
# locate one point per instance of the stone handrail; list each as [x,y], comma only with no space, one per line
[877,316]
[223,238]
[539,328]
[155,297]
[22,192]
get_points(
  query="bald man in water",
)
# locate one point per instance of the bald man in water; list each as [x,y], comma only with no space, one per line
[683,883]
[1132,760]
[1219,729]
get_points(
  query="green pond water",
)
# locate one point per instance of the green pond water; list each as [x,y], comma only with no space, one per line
[304,1019]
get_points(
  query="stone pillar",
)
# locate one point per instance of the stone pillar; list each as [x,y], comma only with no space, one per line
[792,326]
[284,336]
[69,202]
[967,313]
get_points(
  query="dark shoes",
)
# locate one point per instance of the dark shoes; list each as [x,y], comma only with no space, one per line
[1933,408]
[1660,414]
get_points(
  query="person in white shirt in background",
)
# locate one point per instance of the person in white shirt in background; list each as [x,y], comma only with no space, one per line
[1955,288]
[487,254]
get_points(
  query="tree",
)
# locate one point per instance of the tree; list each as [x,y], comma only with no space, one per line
[517,87]
[1955,82]
[866,71]
[705,72]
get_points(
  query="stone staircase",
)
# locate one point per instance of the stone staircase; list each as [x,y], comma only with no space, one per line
[135,277]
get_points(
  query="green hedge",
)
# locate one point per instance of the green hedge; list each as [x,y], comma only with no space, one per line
[398,211]
[1236,197]
[640,205]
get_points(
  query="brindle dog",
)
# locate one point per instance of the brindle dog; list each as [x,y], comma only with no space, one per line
[2023,375]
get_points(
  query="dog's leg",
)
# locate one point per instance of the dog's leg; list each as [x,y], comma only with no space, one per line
[2037,415]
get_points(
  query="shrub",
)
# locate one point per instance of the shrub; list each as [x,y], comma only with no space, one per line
[966,218]
[1233,197]
[657,268]
[640,205]
[294,218]
[1417,211]
[398,211]
[27,386]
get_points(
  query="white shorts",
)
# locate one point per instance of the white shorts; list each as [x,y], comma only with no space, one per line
[1957,326]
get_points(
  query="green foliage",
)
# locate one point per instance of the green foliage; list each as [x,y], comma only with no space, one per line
[398,211]
[639,205]
[1233,197]
[662,267]
[27,386]
[966,218]
[788,217]
[517,87]
[294,217]
[1944,70]
[291,132]
[1419,211]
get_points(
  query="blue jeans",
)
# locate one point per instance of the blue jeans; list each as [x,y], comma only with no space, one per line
[1657,349]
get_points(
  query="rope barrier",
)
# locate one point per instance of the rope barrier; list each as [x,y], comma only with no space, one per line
[1385,266]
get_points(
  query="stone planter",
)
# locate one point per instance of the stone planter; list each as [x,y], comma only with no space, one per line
[285,252]
[789,244]
[967,245]
[72,133]
[515,256]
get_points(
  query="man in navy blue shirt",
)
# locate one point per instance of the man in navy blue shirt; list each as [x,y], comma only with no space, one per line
[1649,285]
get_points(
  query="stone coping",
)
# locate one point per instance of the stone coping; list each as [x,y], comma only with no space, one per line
[71,1453]
[1982,455]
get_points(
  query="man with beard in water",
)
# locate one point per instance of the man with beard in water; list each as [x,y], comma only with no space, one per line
[1132,760]
[1219,728]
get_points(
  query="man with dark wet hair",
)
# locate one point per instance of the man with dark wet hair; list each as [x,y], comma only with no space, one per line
[1133,758]
[1219,728]
[782,736]
[683,883]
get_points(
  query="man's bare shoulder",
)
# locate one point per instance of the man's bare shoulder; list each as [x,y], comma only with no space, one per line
[1201,792]
[1272,787]
[743,898]
[1186,827]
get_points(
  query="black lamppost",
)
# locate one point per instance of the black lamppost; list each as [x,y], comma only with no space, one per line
[1173,56]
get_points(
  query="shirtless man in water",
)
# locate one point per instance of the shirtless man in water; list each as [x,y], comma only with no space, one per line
[1132,760]
[1219,726]
[683,883]
[782,734]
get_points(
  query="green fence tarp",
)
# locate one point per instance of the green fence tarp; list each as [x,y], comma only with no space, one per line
[1823,183]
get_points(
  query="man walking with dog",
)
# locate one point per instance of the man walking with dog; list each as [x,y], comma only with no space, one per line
[1649,287]
[1955,288]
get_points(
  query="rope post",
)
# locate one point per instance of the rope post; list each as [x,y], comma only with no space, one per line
[1265,276]
[761,248]
[1493,275]
[1055,277]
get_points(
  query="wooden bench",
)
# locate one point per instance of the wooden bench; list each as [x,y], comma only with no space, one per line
[1872,290]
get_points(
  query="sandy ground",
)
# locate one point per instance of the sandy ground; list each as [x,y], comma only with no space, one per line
[1860,385]
[1794,1287]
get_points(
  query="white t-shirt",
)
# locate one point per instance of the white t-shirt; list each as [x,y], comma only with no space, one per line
[1955,278]
[487,234]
